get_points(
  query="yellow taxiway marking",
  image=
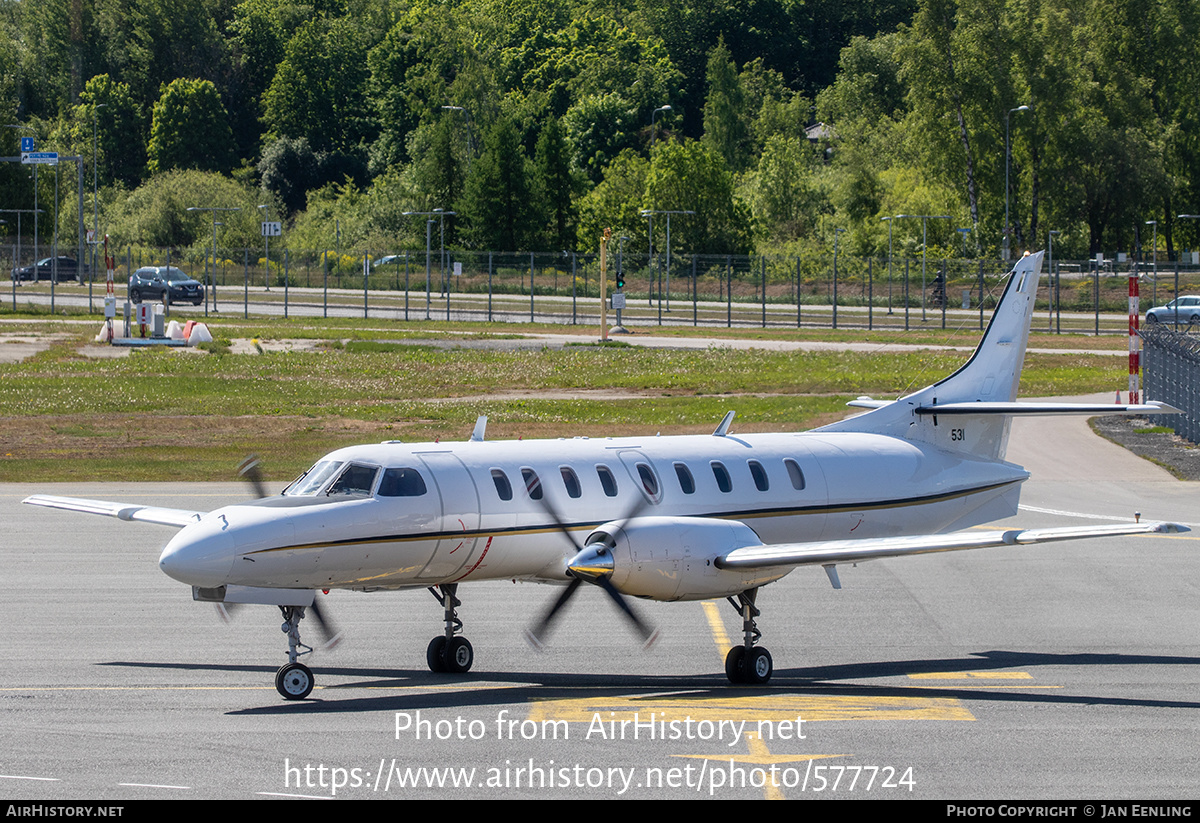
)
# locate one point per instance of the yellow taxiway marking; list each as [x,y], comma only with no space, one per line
[755,709]
[972,676]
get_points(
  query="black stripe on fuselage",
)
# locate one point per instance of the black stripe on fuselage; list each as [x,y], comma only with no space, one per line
[745,514]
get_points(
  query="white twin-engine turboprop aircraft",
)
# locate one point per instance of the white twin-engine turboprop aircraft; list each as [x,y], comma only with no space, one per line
[667,518]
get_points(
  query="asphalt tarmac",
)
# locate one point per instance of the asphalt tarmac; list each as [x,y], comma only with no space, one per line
[1060,671]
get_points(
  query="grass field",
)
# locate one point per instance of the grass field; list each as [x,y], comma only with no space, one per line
[163,413]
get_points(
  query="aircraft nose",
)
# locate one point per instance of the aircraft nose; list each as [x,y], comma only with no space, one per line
[199,555]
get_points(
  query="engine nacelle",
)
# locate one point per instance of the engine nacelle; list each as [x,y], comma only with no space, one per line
[673,558]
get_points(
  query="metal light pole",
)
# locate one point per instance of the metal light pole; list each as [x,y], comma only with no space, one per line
[441,215]
[466,114]
[1050,241]
[650,213]
[1007,160]
[889,222]
[1154,286]
[836,233]
[653,116]
[211,281]
[925,218]
[266,244]
[36,210]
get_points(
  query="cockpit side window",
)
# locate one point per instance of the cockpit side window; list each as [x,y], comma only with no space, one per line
[355,479]
[401,483]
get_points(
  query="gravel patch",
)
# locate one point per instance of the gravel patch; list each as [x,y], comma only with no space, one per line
[1140,436]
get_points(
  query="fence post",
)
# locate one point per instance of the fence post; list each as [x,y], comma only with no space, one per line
[695,295]
[286,281]
[531,287]
[573,297]
[763,269]
[489,287]
[981,295]
[906,294]
[325,286]
[366,273]
[798,286]
[870,296]
[406,285]
[246,287]
[729,292]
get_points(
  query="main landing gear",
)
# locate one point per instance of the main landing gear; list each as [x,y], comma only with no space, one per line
[449,652]
[294,680]
[748,664]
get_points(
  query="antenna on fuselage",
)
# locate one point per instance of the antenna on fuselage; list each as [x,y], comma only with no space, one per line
[480,428]
[723,429]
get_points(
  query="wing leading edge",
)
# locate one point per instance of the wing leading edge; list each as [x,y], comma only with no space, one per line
[122,511]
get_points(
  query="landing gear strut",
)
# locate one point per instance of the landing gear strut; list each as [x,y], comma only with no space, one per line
[449,652]
[294,680]
[748,664]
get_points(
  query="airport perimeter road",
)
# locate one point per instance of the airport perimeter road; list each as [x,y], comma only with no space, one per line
[1056,671]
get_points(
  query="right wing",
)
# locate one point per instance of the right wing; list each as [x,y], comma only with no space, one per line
[833,552]
[122,511]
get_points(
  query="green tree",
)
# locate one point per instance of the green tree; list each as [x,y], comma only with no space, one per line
[497,207]
[319,90]
[615,204]
[726,125]
[190,129]
[689,176]
[555,186]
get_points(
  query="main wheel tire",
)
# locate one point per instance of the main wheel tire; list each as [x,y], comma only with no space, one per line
[294,681]
[458,655]
[435,656]
[758,666]
[135,295]
[735,665]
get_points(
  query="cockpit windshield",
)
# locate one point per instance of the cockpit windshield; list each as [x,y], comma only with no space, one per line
[313,480]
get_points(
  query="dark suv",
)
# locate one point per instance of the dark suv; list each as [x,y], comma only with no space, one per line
[149,283]
[68,269]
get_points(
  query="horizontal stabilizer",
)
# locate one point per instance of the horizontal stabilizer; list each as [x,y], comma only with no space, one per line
[123,511]
[855,551]
[1047,409]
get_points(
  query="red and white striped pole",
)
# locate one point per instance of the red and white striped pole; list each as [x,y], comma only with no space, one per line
[1135,342]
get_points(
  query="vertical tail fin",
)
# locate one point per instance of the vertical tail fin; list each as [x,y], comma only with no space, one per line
[991,375]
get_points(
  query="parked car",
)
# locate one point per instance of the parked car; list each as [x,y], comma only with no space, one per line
[149,283]
[1185,309]
[68,269]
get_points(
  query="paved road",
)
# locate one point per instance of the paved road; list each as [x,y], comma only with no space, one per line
[1058,671]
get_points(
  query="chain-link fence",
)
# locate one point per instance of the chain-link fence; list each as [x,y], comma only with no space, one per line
[814,290]
[1171,371]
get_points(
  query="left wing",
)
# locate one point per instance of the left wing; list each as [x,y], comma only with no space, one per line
[832,552]
[123,511]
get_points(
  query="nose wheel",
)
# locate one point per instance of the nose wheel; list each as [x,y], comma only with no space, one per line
[294,681]
[450,652]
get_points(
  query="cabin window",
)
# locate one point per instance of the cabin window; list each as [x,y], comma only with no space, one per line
[722,476]
[649,481]
[795,474]
[355,479]
[401,483]
[686,482]
[607,481]
[570,481]
[503,487]
[533,485]
[760,476]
